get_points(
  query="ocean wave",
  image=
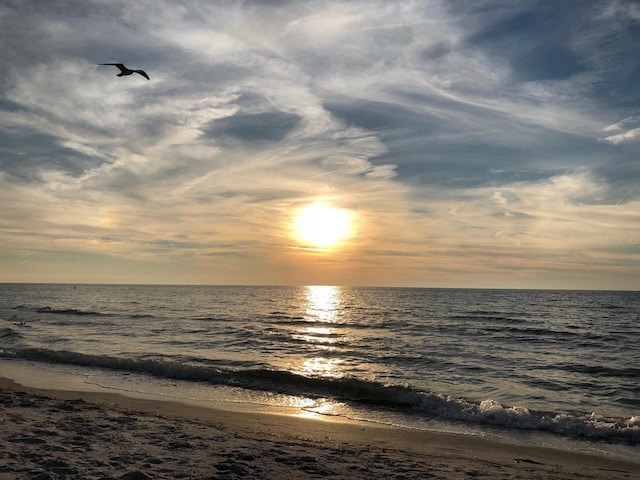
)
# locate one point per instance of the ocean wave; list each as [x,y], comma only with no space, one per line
[278,318]
[68,311]
[402,398]
[488,316]
[60,311]
[212,319]
[284,316]
[600,370]
[156,367]
[9,334]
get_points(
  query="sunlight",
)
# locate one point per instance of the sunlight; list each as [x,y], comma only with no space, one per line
[321,367]
[319,334]
[322,338]
[322,303]
[323,409]
[322,226]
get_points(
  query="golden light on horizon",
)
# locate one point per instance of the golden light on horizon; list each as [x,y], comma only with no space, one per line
[322,225]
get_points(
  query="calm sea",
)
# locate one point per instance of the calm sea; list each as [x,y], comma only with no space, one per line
[565,364]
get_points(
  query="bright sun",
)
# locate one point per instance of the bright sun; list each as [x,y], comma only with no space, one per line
[321,225]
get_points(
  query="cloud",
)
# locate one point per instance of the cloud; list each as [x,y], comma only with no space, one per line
[623,131]
[629,135]
[499,198]
[254,127]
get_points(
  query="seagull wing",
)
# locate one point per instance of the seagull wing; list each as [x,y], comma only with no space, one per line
[143,73]
[119,65]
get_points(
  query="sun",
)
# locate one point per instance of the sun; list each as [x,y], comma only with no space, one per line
[321,225]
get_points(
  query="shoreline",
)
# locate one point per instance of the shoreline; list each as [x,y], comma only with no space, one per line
[108,435]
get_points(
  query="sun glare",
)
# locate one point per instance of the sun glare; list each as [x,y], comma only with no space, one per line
[321,225]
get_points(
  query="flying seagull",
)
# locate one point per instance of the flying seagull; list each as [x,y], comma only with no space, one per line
[126,71]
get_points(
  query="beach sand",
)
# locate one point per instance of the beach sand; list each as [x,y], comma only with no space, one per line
[55,434]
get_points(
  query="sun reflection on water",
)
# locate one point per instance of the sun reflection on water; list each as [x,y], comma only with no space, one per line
[323,302]
[321,367]
[323,409]
[321,333]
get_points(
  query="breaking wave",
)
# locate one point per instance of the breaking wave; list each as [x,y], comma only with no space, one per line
[358,391]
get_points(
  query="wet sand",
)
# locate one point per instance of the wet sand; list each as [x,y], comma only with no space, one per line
[57,434]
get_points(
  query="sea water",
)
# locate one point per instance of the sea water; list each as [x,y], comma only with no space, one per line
[554,367]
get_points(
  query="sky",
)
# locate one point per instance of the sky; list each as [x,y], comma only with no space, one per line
[470,143]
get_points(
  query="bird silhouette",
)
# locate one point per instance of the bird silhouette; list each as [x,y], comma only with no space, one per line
[126,71]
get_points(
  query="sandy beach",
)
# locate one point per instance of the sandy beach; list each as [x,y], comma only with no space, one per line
[57,434]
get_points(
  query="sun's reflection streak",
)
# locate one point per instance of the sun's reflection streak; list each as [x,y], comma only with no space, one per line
[321,367]
[321,332]
[323,336]
[323,302]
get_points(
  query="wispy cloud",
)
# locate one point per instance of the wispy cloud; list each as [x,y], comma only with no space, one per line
[626,130]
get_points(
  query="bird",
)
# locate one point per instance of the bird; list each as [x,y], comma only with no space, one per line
[126,71]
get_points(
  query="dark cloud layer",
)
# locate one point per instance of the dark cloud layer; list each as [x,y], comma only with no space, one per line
[253,128]
[24,155]
[534,42]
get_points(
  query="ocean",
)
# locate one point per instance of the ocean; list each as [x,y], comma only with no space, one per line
[548,367]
